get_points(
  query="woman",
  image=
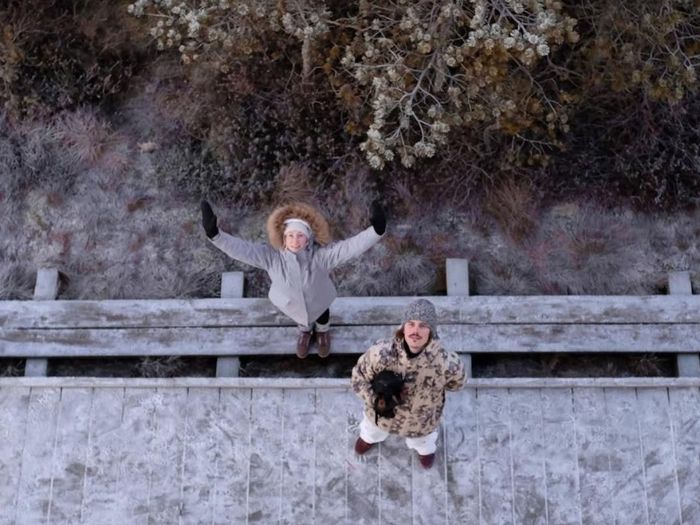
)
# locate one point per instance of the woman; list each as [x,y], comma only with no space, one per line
[299,260]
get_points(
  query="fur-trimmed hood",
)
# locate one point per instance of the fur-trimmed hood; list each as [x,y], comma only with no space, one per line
[297,210]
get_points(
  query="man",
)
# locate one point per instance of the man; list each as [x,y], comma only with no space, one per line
[428,371]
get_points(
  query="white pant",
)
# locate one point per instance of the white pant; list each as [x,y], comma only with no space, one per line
[316,327]
[371,433]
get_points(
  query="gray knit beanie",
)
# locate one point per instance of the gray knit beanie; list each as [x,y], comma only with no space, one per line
[422,310]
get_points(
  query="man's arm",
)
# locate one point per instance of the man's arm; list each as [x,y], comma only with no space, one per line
[362,375]
[455,373]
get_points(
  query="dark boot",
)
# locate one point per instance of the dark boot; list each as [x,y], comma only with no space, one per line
[303,343]
[427,460]
[362,446]
[324,343]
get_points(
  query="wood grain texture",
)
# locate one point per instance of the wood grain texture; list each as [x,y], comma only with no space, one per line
[561,461]
[34,494]
[685,421]
[462,469]
[629,502]
[346,340]
[333,454]
[69,461]
[166,454]
[473,310]
[495,456]
[527,444]
[266,447]
[595,477]
[661,480]
[14,407]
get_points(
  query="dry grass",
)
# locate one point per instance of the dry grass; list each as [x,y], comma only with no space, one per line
[11,367]
[79,194]
[513,205]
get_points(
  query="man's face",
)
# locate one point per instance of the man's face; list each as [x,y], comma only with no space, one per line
[416,333]
[295,241]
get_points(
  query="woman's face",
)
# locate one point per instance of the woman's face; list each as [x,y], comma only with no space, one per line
[295,241]
[416,333]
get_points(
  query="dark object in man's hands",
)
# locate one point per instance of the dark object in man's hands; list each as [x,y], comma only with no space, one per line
[387,387]
[378,218]
[209,220]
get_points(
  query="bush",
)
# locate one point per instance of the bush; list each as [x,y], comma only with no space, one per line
[62,54]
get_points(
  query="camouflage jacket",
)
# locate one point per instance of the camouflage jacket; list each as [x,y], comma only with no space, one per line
[427,377]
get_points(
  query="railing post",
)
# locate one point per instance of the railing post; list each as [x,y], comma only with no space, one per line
[679,284]
[457,277]
[231,287]
[45,289]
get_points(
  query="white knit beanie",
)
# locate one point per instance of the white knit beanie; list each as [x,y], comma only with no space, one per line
[421,310]
[297,225]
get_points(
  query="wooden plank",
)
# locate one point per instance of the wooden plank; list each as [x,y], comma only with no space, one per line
[395,501]
[14,405]
[429,489]
[629,504]
[474,310]
[593,455]
[232,432]
[267,438]
[298,457]
[495,457]
[527,444]
[228,366]
[102,477]
[679,283]
[34,492]
[232,284]
[46,286]
[688,365]
[685,420]
[330,382]
[560,452]
[661,481]
[137,429]
[350,340]
[36,367]
[166,456]
[363,481]
[462,468]
[457,276]
[69,463]
[333,453]
[199,446]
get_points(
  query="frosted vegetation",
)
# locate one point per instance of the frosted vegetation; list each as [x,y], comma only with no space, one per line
[554,144]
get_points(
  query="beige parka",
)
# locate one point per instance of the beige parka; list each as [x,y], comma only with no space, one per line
[427,376]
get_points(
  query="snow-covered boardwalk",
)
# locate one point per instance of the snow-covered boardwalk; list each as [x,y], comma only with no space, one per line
[230,451]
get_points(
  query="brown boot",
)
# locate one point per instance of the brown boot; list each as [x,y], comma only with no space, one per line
[427,460]
[324,343]
[361,446]
[303,343]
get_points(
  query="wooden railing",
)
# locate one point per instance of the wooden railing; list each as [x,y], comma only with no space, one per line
[233,326]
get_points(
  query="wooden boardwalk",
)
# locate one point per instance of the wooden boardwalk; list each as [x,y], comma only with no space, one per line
[243,451]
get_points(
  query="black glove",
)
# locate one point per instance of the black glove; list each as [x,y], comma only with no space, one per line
[209,220]
[378,218]
[387,387]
